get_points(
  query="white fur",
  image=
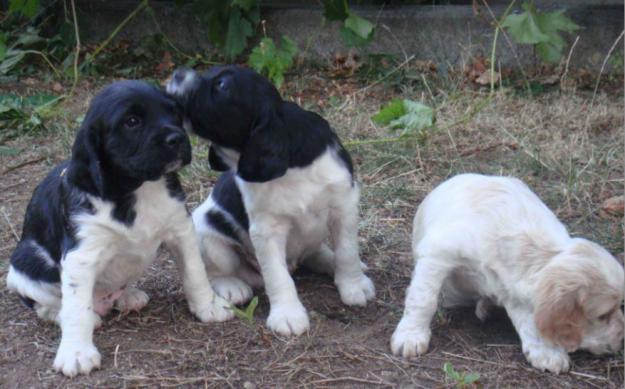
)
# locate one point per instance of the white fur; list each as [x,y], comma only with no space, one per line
[290,218]
[490,239]
[110,257]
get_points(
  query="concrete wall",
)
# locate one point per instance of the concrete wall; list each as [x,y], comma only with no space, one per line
[446,34]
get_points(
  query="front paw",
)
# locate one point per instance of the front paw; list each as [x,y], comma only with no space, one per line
[76,357]
[232,289]
[356,292]
[409,341]
[288,320]
[217,309]
[548,358]
[132,299]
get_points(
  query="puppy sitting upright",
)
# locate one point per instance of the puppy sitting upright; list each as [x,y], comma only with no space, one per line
[95,223]
[491,241]
[289,187]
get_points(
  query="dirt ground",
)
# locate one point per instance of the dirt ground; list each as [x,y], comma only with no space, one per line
[570,153]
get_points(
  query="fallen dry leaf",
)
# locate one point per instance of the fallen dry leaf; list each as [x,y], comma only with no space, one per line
[613,207]
[166,64]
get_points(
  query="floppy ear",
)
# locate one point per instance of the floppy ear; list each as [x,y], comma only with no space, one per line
[559,313]
[265,156]
[85,170]
[215,162]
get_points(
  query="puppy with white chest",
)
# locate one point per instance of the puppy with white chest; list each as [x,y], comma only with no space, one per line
[491,241]
[288,187]
[94,224]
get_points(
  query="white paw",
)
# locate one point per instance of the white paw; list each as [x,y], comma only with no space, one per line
[356,292]
[132,299]
[289,319]
[548,358]
[216,310]
[409,341]
[232,289]
[76,357]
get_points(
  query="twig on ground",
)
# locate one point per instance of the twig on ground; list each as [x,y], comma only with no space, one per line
[387,75]
[21,165]
[586,375]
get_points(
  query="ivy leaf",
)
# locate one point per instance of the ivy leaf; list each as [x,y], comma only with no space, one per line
[390,112]
[273,61]
[471,378]
[541,29]
[411,116]
[418,117]
[360,26]
[246,5]
[27,8]
[335,10]
[239,29]
[524,27]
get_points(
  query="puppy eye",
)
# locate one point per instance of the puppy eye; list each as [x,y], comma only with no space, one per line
[221,85]
[132,121]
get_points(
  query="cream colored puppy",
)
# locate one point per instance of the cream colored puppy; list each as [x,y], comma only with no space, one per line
[490,240]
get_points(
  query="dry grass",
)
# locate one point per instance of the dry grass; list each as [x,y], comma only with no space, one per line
[542,140]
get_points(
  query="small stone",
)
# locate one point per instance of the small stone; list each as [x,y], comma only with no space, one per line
[249,385]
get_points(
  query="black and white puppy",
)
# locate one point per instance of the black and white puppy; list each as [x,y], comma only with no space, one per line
[288,188]
[95,223]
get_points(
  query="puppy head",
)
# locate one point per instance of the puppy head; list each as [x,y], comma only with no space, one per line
[236,108]
[131,134]
[579,297]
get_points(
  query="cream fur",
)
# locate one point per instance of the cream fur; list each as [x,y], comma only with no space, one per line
[491,240]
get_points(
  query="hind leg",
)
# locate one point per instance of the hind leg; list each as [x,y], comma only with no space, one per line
[223,263]
[321,261]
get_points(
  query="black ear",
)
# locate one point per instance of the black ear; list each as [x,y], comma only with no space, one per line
[215,162]
[85,170]
[266,154]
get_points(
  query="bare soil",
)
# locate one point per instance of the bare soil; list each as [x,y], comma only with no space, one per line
[544,140]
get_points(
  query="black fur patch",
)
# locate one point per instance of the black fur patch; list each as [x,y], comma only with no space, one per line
[174,187]
[221,224]
[226,194]
[235,107]
[131,134]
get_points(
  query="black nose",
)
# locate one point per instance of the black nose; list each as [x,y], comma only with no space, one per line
[174,139]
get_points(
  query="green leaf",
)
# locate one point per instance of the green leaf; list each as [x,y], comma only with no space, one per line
[470,378]
[360,26]
[246,5]
[239,29]
[27,8]
[524,27]
[11,58]
[556,21]
[246,315]
[335,10]
[541,29]
[548,52]
[390,112]
[273,61]
[27,38]
[417,118]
